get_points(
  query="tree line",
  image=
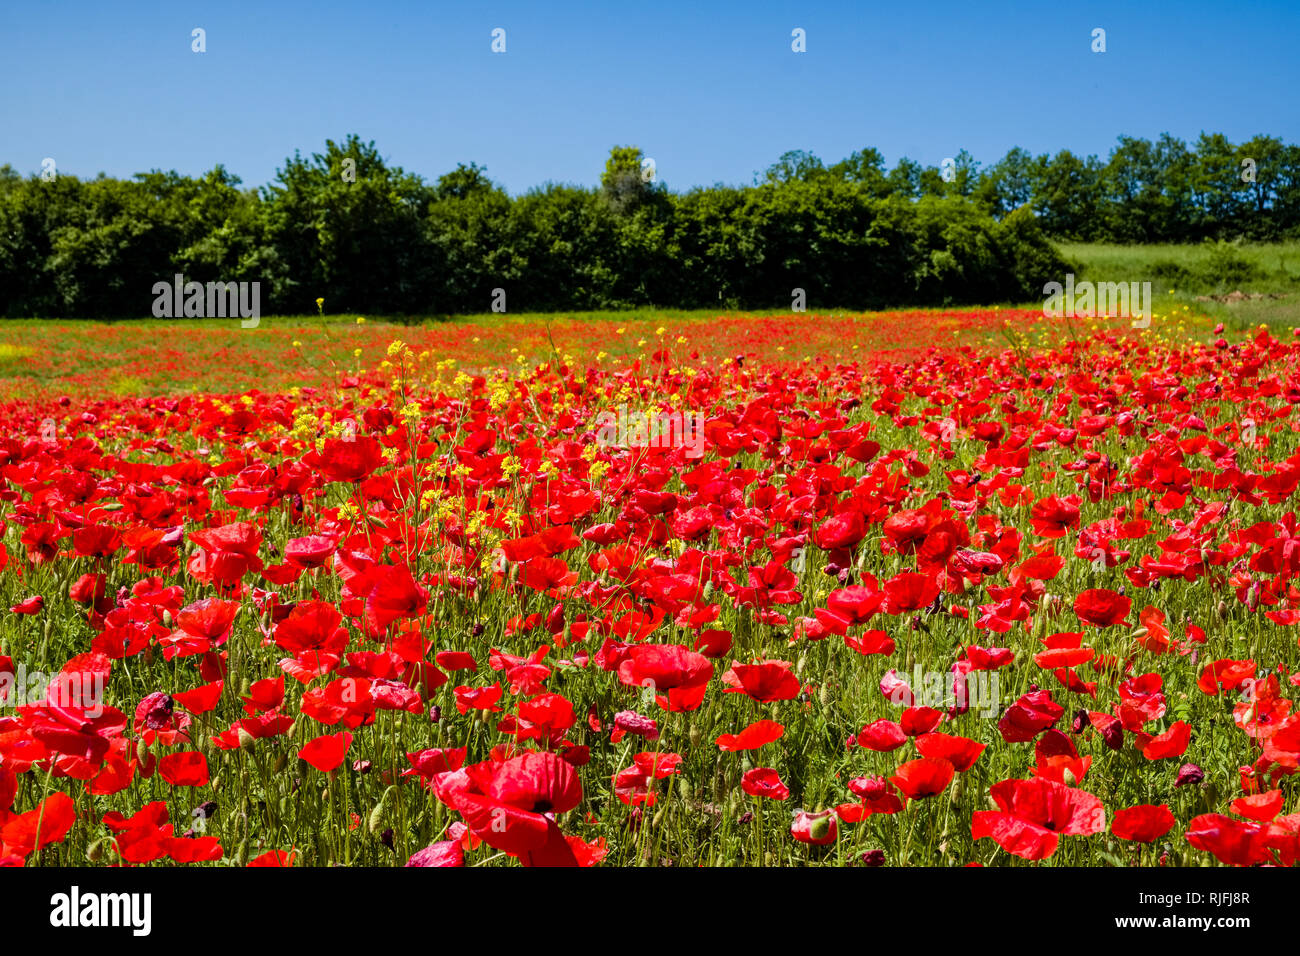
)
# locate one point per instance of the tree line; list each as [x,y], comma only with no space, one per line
[365,235]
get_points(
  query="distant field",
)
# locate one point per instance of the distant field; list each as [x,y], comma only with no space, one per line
[45,358]
[1181,273]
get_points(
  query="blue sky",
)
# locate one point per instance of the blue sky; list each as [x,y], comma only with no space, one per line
[711,91]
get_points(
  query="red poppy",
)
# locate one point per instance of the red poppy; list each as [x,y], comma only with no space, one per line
[1102,607]
[1034,814]
[48,823]
[1172,743]
[818,829]
[677,676]
[882,736]
[764,782]
[766,681]
[1144,823]
[511,805]
[188,769]
[752,737]
[326,752]
[923,778]
[961,752]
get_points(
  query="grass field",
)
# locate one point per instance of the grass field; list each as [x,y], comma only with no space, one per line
[41,359]
[1182,273]
[935,587]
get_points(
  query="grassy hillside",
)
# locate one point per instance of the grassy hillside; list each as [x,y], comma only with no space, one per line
[1204,276]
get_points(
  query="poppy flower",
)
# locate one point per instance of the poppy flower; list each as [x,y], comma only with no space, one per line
[274,858]
[1029,716]
[49,822]
[909,591]
[764,782]
[443,853]
[881,736]
[841,531]
[877,795]
[818,829]
[310,551]
[1260,806]
[766,681]
[511,805]
[677,676]
[326,752]
[1034,814]
[188,769]
[961,752]
[923,778]
[1172,743]
[1234,842]
[29,606]
[1144,823]
[1102,607]
[752,737]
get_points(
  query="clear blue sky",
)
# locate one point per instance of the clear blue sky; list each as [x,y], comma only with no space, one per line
[712,91]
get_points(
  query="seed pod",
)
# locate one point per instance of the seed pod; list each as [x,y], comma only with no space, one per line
[820,827]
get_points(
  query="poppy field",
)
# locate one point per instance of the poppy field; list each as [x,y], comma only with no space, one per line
[925,589]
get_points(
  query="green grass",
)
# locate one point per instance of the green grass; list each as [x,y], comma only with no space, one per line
[1181,273]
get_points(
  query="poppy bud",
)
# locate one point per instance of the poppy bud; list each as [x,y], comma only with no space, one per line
[246,741]
[95,852]
[280,762]
[696,735]
[820,828]
[1068,778]
[1080,721]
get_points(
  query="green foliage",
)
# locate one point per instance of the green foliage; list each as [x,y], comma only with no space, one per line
[367,236]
